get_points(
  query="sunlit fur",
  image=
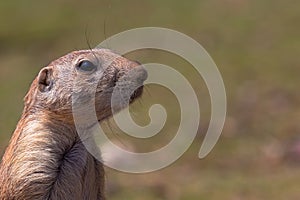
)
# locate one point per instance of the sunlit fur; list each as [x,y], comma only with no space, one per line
[45,158]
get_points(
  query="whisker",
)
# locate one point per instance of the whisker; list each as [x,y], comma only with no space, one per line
[89,45]
[104,26]
[104,31]
[146,89]
[118,138]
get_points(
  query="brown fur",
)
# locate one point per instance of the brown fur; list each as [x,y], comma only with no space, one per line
[46,158]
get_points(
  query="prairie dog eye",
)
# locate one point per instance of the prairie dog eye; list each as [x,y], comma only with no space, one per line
[86,66]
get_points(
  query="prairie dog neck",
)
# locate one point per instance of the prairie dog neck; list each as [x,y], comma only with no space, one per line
[48,157]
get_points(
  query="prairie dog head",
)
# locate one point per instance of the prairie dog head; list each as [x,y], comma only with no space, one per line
[82,76]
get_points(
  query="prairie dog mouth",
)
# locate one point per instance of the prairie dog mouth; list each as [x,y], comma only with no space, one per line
[137,93]
[130,85]
[141,77]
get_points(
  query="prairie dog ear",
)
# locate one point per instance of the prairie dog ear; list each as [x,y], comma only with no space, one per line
[45,79]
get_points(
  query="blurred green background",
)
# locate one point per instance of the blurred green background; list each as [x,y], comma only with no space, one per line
[254,43]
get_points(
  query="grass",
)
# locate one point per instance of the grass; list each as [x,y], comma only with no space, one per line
[255,45]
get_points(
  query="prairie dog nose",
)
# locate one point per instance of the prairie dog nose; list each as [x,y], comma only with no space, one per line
[141,72]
